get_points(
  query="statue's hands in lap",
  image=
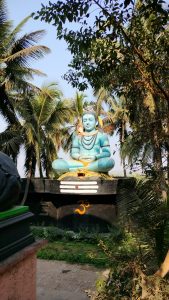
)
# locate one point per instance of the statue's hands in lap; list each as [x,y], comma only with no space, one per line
[87,158]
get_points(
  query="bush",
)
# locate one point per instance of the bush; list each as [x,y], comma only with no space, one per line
[74,252]
[52,234]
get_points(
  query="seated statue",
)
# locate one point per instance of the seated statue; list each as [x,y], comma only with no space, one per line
[90,149]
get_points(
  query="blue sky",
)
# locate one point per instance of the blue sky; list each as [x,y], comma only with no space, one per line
[54,64]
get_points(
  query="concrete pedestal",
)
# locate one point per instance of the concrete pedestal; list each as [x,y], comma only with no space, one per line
[18,274]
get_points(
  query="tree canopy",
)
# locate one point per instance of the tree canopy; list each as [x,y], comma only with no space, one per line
[123,47]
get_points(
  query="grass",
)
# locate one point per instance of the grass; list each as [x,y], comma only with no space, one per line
[74,252]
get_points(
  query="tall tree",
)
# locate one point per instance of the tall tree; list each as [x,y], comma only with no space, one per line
[16,54]
[125,49]
[77,105]
[116,116]
[40,122]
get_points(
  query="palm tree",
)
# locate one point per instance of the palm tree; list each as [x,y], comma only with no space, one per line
[115,117]
[77,105]
[16,53]
[53,115]
[41,122]
[119,116]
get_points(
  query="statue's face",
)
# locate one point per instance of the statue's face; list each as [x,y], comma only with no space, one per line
[89,122]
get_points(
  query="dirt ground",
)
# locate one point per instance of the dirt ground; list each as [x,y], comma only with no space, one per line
[62,281]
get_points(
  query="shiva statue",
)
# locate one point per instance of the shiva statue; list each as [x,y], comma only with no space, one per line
[90,149]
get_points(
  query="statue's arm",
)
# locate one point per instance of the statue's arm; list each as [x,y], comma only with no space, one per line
[75,149]
[105,147]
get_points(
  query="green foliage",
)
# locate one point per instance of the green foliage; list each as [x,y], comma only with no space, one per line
[97,55]
[98,249]
[119,285]
[126,254]
[52,234]
[40,127]
[74,252]
[128,282]
[143,211]
[123,252]
[123,47]
[78,104]
[16,54]
[122,248]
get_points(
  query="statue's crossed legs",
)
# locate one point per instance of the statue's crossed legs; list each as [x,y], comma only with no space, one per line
[100,165]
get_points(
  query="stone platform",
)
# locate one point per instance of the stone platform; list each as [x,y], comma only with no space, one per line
[18,274]
[74,185]
[75,203]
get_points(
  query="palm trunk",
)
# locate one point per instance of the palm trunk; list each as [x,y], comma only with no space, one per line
[40,169]
[39,159]
[159,242]
[158,166]
[168,166]
[157,160]
[122,139]
[27,184]
[167,181]
[124,167]
[157,157]
[164,268]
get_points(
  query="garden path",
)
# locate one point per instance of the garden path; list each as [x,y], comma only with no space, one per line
[57,280]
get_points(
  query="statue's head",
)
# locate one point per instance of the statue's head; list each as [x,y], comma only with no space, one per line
[89,121]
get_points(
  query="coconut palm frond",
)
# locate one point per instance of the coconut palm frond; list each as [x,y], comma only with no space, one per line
[6,107]
[30,160]
[48,155]
[131,148]
[3,10]
[26,87]
[62,114]
[5,25]
[37,72]
[140,203]
[98,107]
[78,104]
[112,103]
[45,115]
[21,73]
[45,104]
[11,38]
[7,134]
[14,45]
[20,84]
[102,96]
[43,110]
[34,52]
[30,133]
[141,209]
[10,141]
[146,154]
[66,141]
[26,112]
[52,91]
[32,37]
[15,55]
